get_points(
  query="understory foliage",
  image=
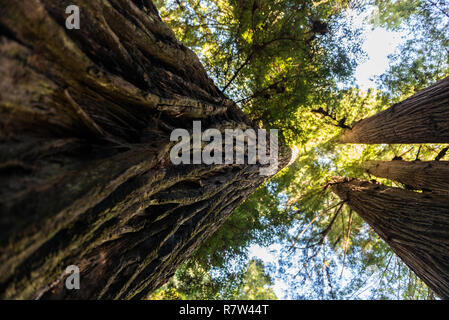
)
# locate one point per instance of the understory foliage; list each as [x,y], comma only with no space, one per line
[289,65]
[192,281]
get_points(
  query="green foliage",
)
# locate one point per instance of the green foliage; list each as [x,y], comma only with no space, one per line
[257,284]
[424,57]
[272,57]
[193,282]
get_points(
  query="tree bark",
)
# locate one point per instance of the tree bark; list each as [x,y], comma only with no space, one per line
[85,174]
[418,175]
[422,118]
[415,226]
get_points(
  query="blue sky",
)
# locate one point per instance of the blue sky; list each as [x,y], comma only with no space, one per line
[378,45]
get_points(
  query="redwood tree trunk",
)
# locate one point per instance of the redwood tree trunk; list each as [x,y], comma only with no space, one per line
[415,226]
[422,118]
[85,175]
[419,175]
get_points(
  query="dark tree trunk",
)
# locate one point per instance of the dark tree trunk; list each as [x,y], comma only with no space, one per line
[415,226]
[418,175]
[422,118]
[85,175]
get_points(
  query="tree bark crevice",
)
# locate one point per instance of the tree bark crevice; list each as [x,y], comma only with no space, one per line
[85,173]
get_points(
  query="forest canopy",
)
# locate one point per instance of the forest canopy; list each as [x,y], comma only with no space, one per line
[290,65]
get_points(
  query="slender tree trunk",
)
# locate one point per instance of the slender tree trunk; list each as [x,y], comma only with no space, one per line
[418,175]
[422,118]
[85,174]
[415,226]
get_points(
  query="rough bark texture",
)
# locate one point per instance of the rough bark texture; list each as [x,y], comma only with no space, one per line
[85,178]
[415,226]
[422,118]
[418,175]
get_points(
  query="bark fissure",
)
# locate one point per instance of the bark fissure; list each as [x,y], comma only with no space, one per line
[85,174]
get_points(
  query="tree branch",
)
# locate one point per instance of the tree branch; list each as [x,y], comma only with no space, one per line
[339,123]
[441,154]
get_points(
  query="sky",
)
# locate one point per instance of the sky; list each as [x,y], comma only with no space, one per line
[379,43]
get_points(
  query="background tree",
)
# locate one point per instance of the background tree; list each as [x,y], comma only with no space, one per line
[413,224]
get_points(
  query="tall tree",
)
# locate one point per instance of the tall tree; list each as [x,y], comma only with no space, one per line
[86,179]
[422,118]
[413,224]
[419,175]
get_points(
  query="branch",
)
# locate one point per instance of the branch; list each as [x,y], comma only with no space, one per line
[244,64]
[441,154]
[261,91]
[339,123]
[180,5]
[440,9]
[417,155]
[347,242]
[256,48]
[329,227]
[403,154]
[313,220]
